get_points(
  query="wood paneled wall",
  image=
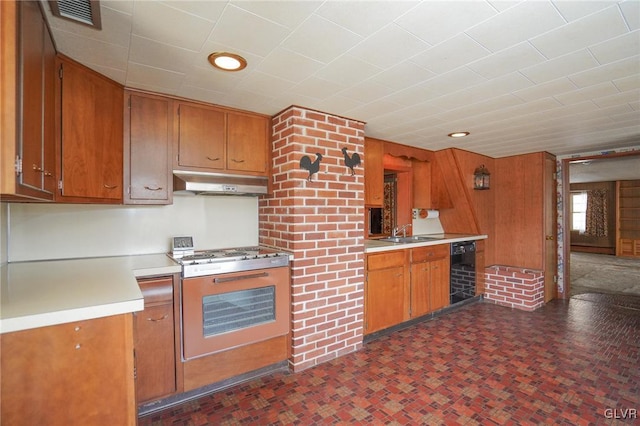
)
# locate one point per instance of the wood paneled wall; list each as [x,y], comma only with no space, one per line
[473,211]
[519,210]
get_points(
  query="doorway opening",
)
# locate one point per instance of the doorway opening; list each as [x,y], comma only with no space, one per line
[601,219]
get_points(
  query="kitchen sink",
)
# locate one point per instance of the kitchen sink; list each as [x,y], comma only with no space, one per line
[405,240]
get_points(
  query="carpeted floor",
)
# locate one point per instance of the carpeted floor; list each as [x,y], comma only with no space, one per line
[600,273]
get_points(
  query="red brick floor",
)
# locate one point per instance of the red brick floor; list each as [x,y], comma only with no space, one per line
[573,363]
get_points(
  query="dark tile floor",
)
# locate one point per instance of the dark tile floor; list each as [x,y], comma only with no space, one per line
[571,362]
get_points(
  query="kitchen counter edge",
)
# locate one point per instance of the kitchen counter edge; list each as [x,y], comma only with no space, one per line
[50,292]
[377,246]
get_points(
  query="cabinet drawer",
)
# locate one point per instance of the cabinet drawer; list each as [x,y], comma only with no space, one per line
[422,254]
[156,290]
[386,260]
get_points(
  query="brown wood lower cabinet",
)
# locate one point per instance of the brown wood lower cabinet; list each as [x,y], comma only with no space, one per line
[154,338]
[429,279]
[79,373]
[386,302]
[404,284]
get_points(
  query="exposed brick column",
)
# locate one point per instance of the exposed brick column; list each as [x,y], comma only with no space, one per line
[322,223]
[514,287]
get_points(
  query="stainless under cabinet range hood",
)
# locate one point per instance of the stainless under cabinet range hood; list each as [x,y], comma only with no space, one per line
[203,183]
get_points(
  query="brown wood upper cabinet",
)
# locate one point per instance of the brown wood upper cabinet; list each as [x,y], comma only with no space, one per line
[147,149]
[210,138]
[421,184]
[373,172]
[91,147]
[429,191]
[28,80]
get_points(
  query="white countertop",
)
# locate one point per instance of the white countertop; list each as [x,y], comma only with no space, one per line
[376,246]
[43,293]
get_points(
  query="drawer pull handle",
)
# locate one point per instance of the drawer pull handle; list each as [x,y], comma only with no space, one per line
[213,159]
[165,316]
[153,189]
[237,161]
[110,186]
[239,278]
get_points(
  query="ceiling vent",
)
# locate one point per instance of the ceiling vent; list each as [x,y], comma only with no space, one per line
[86,12]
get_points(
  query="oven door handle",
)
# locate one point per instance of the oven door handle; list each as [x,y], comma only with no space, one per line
[239,278]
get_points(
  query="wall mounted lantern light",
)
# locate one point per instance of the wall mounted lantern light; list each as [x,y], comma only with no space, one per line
[481,178]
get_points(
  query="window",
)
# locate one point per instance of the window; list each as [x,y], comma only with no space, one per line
[578,210]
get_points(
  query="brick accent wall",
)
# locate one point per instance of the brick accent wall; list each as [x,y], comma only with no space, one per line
[322,223]
[514,287]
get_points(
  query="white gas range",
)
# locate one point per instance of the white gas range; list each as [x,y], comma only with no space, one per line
[231,297]
[219,261]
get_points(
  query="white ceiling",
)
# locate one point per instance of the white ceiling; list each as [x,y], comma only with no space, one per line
[557,76]
[605,170]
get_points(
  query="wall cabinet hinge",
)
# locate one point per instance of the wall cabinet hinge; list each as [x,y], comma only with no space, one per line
[129,102]
[555,279]
[60,184]
[60,72]
[18,165]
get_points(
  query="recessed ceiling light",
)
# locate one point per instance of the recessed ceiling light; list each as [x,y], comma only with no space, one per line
[458,134]
[226,61]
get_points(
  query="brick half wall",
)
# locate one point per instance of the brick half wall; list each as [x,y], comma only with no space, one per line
[514,287]
[322,223]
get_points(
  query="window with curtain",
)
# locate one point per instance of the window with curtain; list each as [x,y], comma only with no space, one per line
[596,215]
[578,211]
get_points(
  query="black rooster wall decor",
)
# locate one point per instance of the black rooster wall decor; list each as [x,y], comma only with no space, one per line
[352,161]
[312,167]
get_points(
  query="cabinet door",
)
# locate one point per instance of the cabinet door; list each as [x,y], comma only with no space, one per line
[420,289]
[421,184]
[373,172]
[155,355]
[49,115]
[201,137]
[92,117]
[32,48]
[147,150]
[385,305]
[440,198]
[247,143]
[154,341]
[78,373]
[439,289]
[28,135]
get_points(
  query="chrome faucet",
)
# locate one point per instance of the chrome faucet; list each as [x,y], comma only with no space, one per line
[401,228]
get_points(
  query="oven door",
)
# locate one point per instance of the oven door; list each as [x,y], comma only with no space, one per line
[221,312]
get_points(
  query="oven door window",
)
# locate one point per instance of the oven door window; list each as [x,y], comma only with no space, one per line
[223,313]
